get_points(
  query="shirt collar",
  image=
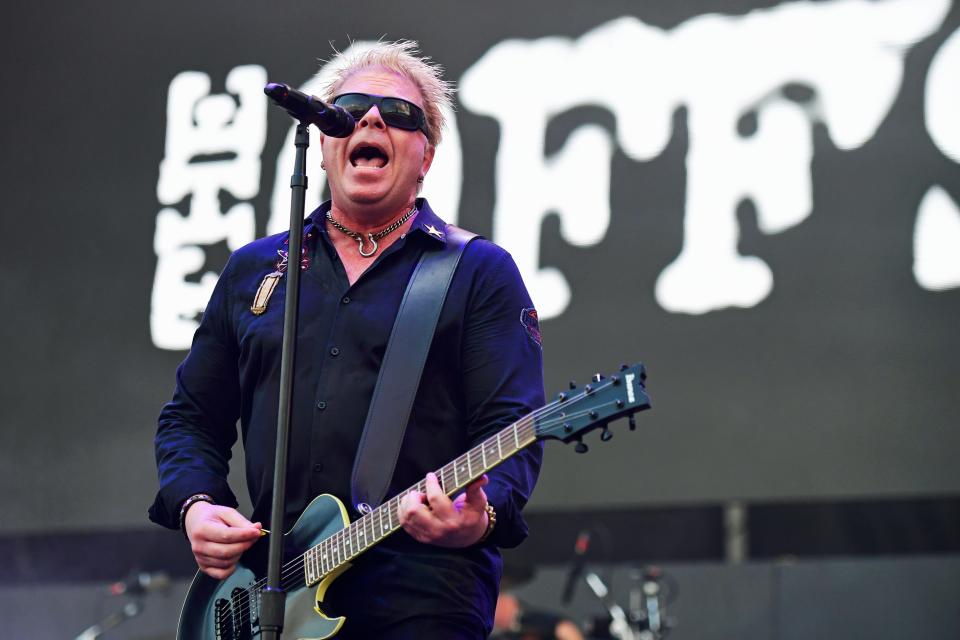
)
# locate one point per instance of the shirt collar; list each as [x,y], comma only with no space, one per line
[429,224]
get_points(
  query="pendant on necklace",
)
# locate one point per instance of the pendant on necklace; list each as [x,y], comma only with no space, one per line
[372,240]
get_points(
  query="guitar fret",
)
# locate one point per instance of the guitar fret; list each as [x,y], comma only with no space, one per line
[308,571]
[516,437]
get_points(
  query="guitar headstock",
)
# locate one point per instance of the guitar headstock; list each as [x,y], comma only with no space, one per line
[576,412]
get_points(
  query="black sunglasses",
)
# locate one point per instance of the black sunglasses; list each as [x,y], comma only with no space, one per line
[396,112]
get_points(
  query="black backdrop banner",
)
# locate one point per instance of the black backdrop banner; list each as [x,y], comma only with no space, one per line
[760,200]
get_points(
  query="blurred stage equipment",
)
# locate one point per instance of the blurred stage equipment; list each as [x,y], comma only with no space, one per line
[646,618]
[580,548]
[135,586]
[140,583]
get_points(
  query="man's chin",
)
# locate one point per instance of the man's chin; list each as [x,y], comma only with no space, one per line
[369,198]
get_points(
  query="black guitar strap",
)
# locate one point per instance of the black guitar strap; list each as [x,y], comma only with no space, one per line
[402,367]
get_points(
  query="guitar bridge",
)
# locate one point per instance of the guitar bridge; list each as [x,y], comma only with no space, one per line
[235,619]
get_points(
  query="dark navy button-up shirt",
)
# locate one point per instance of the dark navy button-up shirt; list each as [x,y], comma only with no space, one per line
[483,372]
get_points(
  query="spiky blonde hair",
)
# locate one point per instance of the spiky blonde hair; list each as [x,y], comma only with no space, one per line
[403,57]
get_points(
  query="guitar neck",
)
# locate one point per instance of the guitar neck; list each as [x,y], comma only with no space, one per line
[373,527]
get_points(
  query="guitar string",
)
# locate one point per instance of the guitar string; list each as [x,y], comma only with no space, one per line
[296,564]
[526,419]
[295,567]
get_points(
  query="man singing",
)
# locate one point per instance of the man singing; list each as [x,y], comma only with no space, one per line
[438,577]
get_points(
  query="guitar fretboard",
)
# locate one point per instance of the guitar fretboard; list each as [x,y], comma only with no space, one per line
[365,532]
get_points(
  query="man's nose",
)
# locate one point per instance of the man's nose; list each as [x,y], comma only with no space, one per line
[372,119]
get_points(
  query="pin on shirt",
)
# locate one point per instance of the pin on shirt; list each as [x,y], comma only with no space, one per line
[432,230]
[270,281]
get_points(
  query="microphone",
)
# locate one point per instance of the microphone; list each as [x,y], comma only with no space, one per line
[332,120]
[580,549]
[140,583]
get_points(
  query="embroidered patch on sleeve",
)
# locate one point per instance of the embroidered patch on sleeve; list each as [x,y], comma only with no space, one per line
[528,318]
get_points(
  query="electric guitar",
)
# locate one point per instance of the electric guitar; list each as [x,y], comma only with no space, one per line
[323,540]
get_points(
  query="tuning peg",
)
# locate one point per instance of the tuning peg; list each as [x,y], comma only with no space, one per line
[597,377]
[606,435]
[632,422]
[624,367]
[581,447]
[573,384]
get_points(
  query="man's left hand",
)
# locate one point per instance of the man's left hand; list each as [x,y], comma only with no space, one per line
[433,518]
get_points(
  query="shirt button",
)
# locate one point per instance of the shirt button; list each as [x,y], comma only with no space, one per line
[335,351]
[318,467]
[346,300]
[321,405]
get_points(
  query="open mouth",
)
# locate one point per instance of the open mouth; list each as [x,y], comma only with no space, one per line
[366,155]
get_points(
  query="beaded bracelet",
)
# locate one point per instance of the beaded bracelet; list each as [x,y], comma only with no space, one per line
[491,523]
[189,502]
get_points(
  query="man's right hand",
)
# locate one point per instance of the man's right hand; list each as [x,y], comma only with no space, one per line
[218,537]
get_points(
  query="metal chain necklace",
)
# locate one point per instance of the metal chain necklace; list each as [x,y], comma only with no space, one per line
[371,237]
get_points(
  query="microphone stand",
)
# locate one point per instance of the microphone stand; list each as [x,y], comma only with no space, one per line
[273,597]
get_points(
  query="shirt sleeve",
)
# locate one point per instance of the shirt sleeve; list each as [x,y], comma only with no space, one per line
[197,428]
[503,381]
